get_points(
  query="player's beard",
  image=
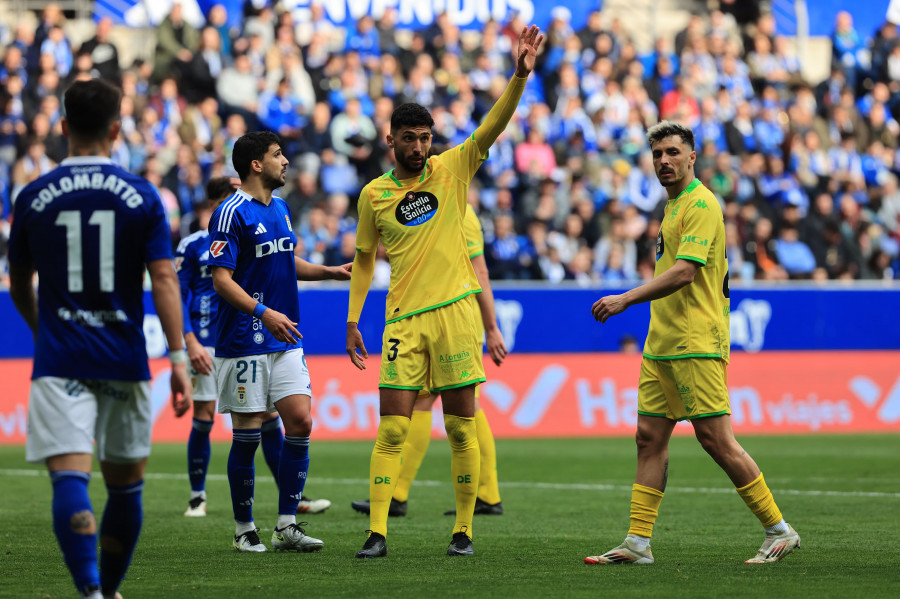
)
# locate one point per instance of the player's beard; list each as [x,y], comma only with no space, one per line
[272,182]
[410,166]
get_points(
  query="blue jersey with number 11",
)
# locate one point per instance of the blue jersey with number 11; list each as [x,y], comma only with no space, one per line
[89,227]
[256,241]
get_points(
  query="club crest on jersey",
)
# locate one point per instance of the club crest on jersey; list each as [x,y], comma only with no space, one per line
[416,207]
[216,248]
[288,221]
[242,394]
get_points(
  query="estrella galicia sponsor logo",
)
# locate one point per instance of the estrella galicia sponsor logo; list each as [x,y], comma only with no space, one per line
[694,239]
[416,208]
[660,245]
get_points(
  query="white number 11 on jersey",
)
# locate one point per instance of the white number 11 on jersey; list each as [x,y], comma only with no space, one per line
[106,220]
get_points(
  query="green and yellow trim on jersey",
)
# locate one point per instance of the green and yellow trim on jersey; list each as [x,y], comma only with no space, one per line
[435,307]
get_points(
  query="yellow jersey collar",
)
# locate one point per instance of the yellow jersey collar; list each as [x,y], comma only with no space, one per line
[691,187]
[422,178]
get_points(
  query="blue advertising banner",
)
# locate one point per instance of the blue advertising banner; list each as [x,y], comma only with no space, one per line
[558,320]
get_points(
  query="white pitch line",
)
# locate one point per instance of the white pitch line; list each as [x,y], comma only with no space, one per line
[508,484]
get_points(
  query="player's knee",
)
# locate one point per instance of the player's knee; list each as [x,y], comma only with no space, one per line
[298,425]
[646,440]
[392,430]
[83,523]
[460,431]
[710,443]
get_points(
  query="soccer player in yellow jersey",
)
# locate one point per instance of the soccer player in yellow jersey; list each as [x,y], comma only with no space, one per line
[487,501]
[683,373]
[416,210]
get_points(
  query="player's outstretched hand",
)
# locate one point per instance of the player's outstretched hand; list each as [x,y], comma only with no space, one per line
[281,326]
[182,392]
[496,346]
[342,272]
[199,357]
[530,40]
[608,306]
[355,342]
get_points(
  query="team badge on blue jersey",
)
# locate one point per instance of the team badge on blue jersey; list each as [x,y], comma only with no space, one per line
[288,221]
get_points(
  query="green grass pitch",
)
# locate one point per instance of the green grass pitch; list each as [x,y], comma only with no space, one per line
[563,500]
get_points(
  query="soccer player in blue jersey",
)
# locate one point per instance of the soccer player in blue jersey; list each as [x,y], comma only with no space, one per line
[89,229]
[259,364]
[200,302]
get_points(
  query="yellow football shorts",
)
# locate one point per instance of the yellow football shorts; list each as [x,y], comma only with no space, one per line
[438,349]
[683,389]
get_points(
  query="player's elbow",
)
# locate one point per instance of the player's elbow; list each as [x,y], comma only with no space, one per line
[685,272]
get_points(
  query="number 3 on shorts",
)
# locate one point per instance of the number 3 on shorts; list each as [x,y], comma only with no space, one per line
[392,350]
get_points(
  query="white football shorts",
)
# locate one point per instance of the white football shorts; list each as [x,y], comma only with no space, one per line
[68,415]
[204,385]
[252,384]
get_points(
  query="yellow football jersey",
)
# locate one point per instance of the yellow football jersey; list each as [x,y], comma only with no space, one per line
[692,322]
[420,224]
[473,233]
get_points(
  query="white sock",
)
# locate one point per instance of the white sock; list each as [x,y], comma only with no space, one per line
[242,527]
[285,520]
[638,542]
[777,529]
[196,494]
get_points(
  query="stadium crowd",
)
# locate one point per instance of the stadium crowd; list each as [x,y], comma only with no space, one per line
[807,173]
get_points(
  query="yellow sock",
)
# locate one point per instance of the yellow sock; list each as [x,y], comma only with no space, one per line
[384,469]
[759,499]
[464,466]
[488,489]
[644,509]
[417,441]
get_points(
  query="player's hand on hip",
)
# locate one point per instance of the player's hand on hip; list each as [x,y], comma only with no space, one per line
[529,41]
[354,343]
[182,392]
[281,326]
[608,306]
[496,347]
[199,357]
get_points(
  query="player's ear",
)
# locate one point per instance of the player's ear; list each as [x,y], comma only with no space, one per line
[114,130]
[390,140]
[256,166]
[65,127]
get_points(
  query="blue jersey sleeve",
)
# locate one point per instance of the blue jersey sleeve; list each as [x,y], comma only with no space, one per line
[225,239]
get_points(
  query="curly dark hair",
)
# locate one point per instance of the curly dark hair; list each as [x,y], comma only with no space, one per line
[665,129]
[410,115]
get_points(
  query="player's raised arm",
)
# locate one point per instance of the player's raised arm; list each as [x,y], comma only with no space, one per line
[167,299]
[495,122]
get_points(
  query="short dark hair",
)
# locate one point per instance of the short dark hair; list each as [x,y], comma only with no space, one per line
[249,147]
[219,187]
[91,108]
[665,129]
[411,115]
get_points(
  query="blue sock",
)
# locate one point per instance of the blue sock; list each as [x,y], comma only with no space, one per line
[241,474]
[292,473]
[198,451]
[119,533]
[272,440]
[71,505]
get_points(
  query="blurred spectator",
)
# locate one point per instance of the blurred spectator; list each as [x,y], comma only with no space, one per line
[794,256]
[103,53]
[176,41]
[510,256]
